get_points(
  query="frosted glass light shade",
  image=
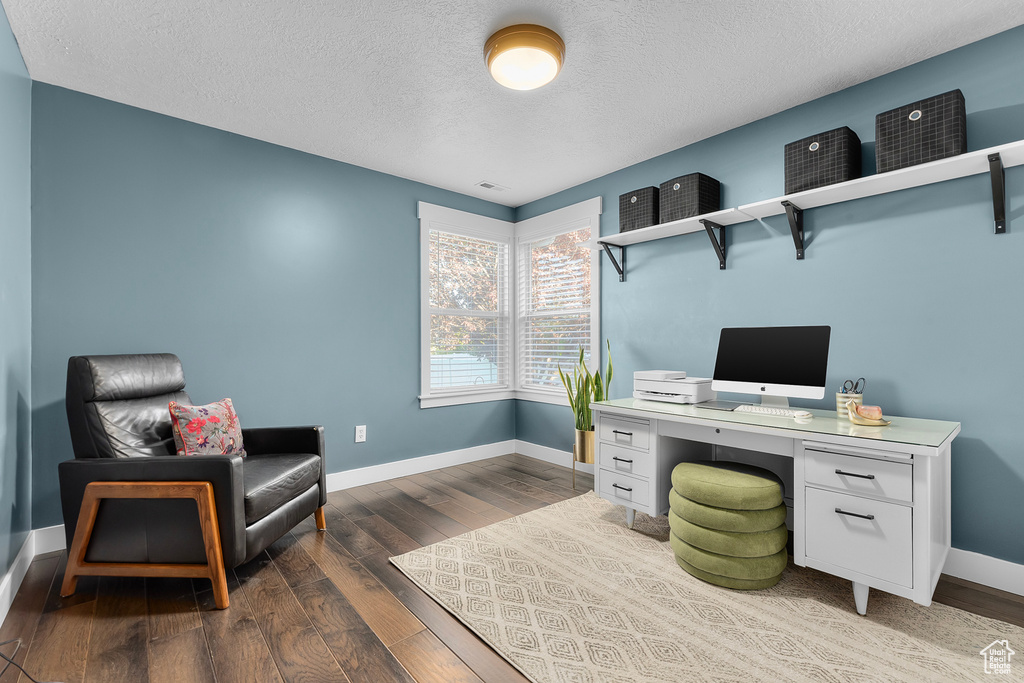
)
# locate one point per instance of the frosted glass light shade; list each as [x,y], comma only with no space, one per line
[524,56]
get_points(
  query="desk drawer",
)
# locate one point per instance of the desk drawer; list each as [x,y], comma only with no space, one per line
[624,461]
[727,435]
[625,432]
[881,547]
[625,489]
[860,476]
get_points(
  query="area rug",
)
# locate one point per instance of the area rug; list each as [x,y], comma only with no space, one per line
[568,593]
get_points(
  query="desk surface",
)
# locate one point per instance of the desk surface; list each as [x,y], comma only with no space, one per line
[903,430]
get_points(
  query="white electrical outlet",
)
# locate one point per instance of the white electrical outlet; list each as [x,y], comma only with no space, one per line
[360,433]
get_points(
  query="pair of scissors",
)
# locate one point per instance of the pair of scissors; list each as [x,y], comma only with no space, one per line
[854,387]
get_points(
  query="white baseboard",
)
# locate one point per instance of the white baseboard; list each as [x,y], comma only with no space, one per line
[48,539]
[550,455]
[37,542]
[338,481]
[986,570]
[12,579]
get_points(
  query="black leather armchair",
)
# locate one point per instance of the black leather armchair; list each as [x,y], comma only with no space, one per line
[134,508]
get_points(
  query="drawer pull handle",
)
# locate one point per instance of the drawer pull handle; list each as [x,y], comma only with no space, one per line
[624,488]
[853,474]
[844,512]
[616,431]
[622,460]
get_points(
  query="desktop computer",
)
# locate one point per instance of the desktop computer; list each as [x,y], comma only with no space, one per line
[775,363]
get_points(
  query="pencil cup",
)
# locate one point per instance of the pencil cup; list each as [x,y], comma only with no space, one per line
[841,401]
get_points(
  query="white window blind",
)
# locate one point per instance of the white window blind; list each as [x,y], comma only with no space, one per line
[469,312]
[554,311]
[503,304]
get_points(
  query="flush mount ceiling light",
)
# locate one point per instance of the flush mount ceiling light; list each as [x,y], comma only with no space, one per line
[524,56]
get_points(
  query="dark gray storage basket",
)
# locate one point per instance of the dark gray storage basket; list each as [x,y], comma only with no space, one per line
[823,159]
[688,195]
[923,131]
[638,209]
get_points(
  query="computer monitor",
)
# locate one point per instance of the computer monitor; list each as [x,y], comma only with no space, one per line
[776,363]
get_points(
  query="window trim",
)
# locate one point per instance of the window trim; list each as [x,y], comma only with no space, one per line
[559,221]
[566,219]
[434,217]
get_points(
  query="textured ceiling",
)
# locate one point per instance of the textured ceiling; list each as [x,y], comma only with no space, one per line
[401,87]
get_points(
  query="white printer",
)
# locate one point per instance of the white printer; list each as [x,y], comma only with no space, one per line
[671,386]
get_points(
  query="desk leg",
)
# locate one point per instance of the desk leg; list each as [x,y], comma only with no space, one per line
[630,516]
[860,597]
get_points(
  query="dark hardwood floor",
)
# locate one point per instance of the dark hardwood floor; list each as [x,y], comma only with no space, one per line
[316,606]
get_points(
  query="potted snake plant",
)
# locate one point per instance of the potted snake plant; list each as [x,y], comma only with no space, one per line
[583,388]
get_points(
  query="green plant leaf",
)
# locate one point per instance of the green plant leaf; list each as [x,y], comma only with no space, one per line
[608,373]
[584,388]
[565,383]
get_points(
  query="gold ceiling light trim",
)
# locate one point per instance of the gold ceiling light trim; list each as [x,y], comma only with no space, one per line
[524,56]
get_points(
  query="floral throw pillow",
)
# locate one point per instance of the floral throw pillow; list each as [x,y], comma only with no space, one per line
[206,430]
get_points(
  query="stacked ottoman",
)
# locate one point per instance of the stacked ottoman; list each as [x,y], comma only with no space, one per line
[728,524]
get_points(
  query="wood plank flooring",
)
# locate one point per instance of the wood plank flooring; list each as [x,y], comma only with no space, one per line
[316,606]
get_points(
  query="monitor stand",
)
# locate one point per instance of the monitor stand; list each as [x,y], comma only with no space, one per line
[766,400]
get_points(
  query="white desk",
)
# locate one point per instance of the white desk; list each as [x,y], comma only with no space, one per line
[869,504]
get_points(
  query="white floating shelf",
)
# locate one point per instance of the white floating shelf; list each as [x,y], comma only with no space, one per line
[950,168]
[681,227]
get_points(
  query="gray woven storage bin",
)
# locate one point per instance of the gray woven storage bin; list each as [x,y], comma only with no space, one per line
[638,209]
[688,195]
[922,131]
[823,159]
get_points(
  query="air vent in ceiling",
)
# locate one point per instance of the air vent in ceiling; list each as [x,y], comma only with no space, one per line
[491,186]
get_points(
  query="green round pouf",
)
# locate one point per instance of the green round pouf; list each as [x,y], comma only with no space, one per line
[725,581]
[731,543]
[730,572]
[722,519]
[729,485]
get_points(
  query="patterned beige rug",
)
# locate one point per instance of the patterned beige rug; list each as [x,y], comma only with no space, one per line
[568,593]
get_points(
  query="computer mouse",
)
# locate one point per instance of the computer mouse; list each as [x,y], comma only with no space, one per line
[801,414]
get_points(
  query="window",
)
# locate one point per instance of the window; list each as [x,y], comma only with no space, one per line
[466,319]
[468,312]
[555,310]
[472,282]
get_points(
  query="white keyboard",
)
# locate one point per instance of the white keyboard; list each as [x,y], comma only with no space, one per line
[765,410]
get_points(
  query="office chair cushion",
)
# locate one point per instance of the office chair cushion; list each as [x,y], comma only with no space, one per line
[727,485]
[730,572]
[270,481]
[277,523]
[724,519]
[212,429]
[132,428]
[117,405]
[114,378]
[731,543]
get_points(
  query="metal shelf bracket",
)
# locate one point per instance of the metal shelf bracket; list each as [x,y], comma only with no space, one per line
[620,265]
[796,226]
[995,169]
[717,242]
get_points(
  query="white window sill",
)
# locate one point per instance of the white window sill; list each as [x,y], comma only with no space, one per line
[555,398]
[454,399]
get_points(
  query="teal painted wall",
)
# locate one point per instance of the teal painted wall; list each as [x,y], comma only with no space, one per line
[15,297]
[285,281]
[923,299]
